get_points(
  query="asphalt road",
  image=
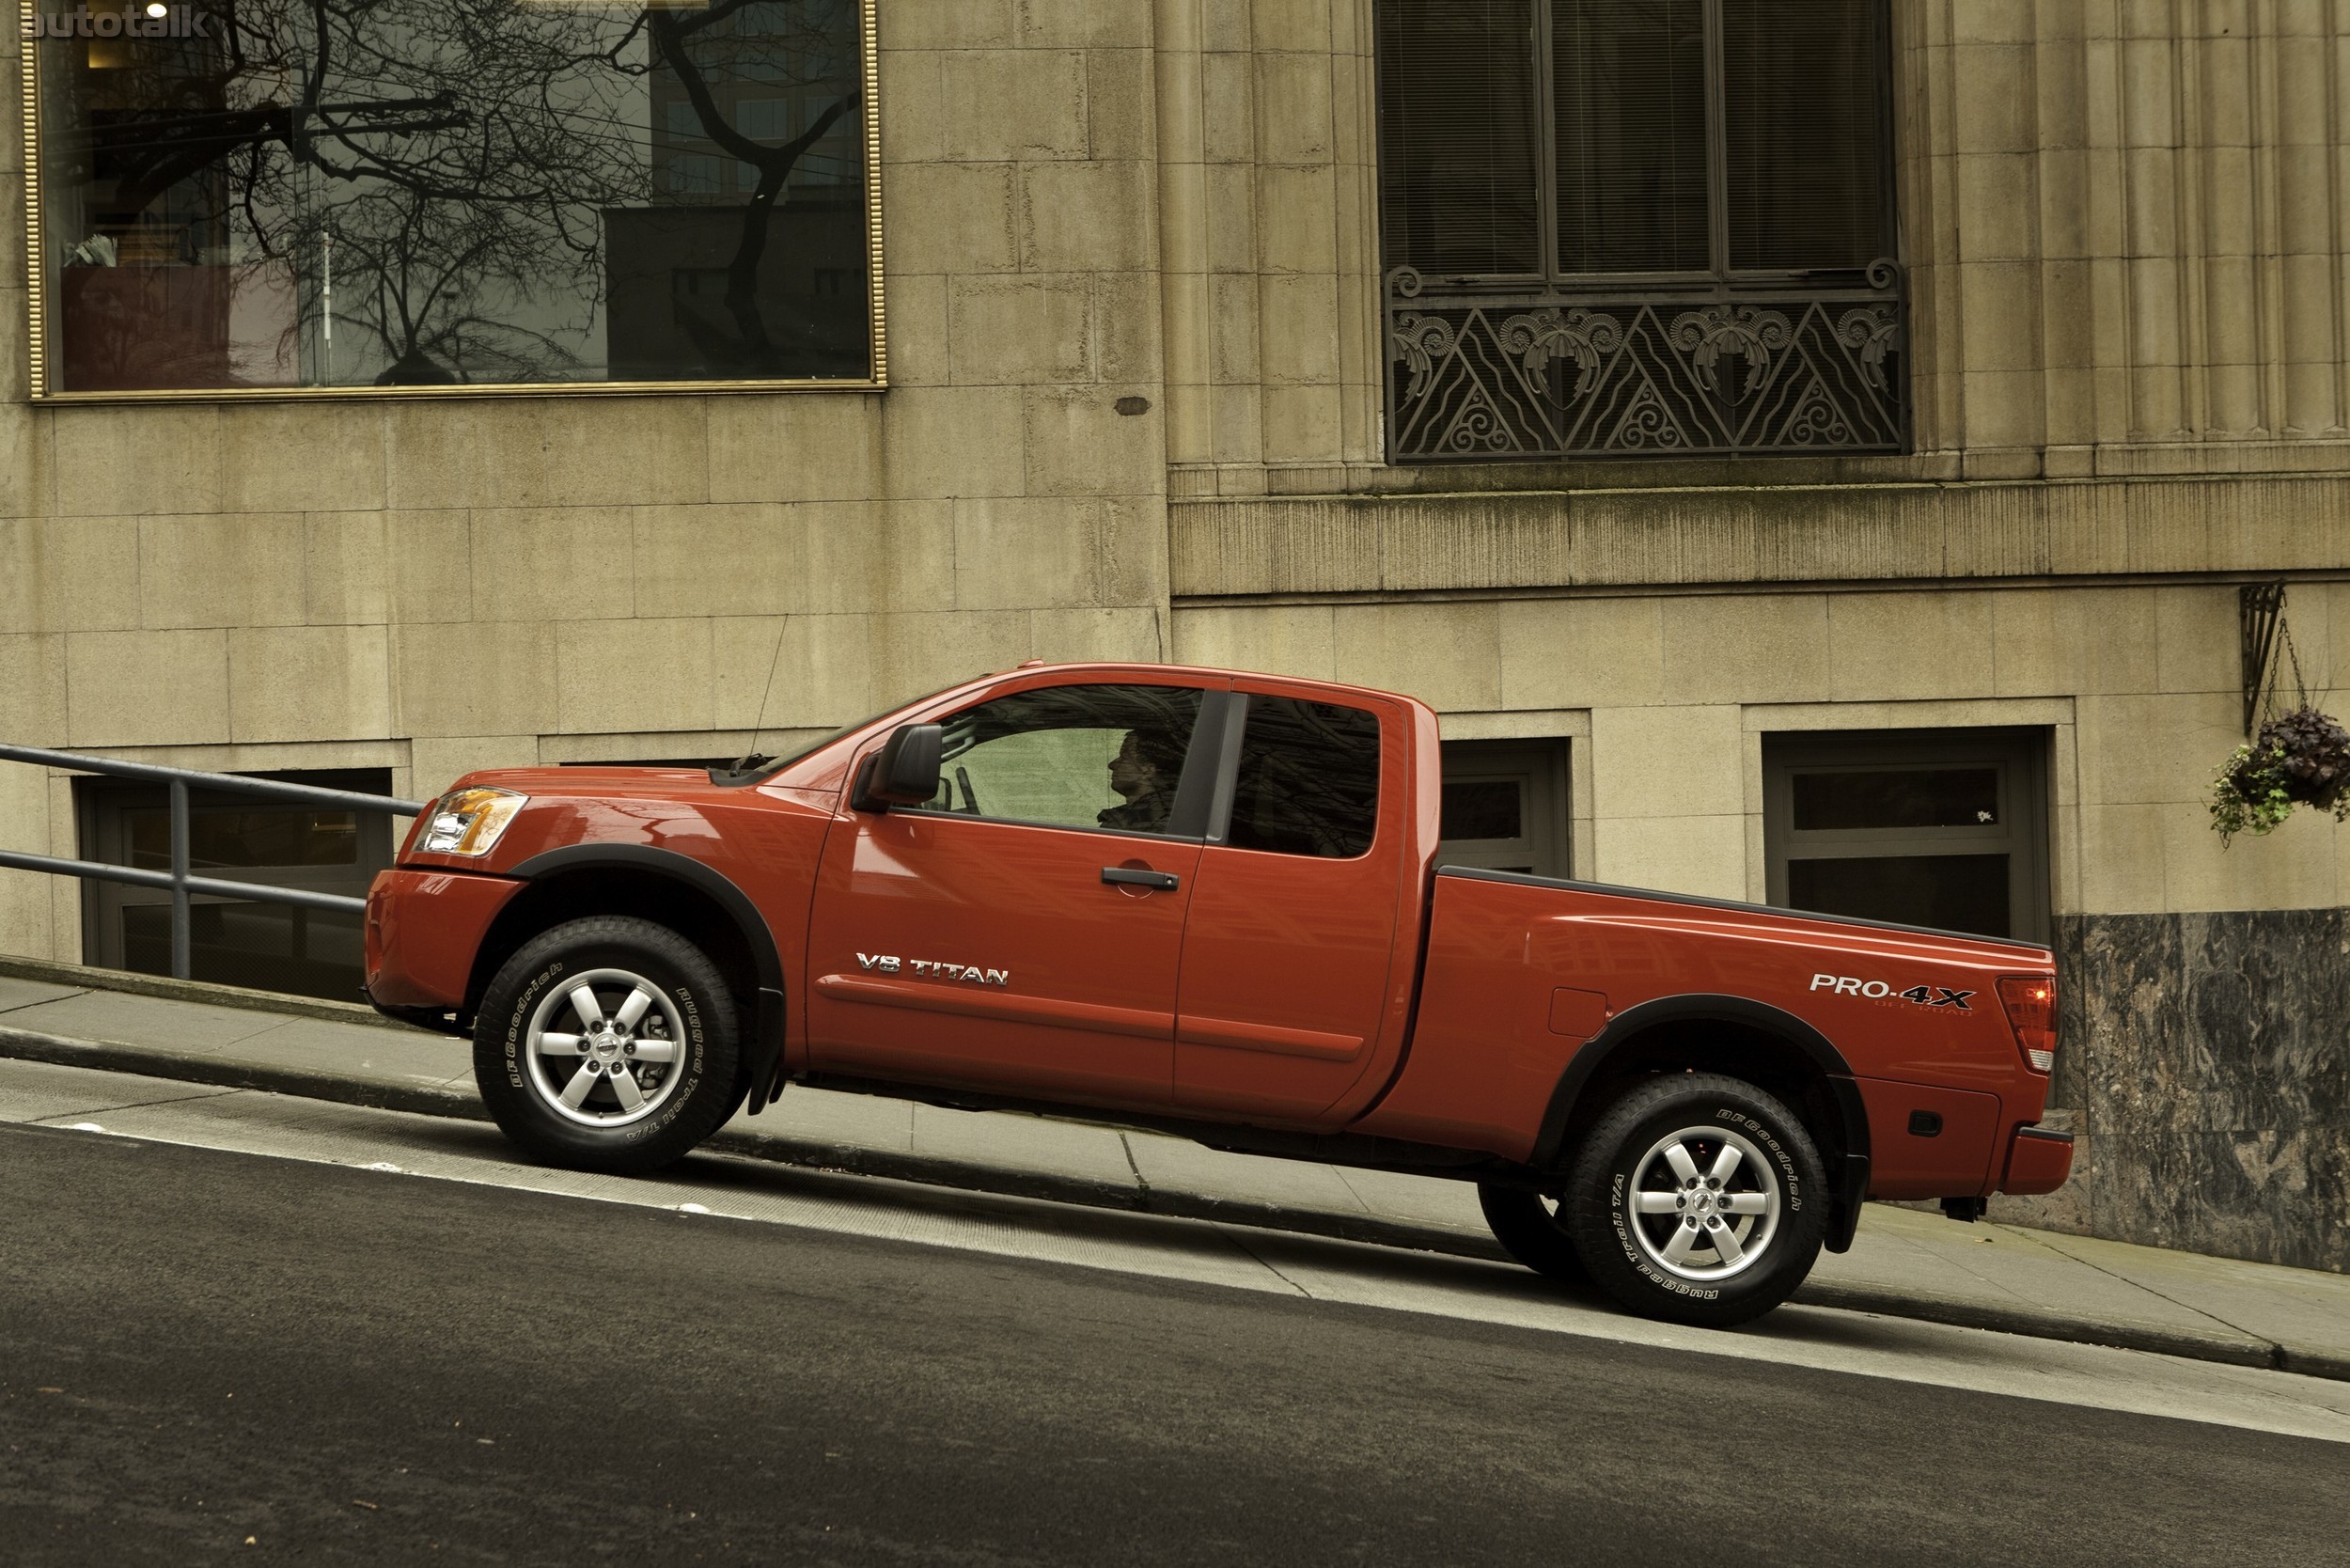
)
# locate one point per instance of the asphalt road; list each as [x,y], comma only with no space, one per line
[200,1347]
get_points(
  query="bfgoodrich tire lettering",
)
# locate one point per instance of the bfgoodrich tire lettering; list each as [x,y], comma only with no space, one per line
[1698,1199]
[608,1043]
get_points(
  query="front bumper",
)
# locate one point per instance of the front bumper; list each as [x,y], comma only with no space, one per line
[2038,1161]
[424,929]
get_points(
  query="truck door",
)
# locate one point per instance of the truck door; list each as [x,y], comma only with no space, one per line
[1288,958]
[1021,932]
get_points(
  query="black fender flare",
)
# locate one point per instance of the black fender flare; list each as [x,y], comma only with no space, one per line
[1849,1185]
[763,1059]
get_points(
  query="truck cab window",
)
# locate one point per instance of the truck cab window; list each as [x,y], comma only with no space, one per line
[1100,757]
[1309,779]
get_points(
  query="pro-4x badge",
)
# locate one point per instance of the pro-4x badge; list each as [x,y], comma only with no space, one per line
[1923,996]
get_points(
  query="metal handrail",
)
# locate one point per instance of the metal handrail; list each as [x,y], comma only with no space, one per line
[179,879]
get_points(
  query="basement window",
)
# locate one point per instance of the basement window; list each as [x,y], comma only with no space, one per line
[1943,828]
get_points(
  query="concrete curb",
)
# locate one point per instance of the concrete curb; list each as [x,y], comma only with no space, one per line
[969,1176]
[931,1171]
[115,1055]
[170,989]
[2309,1364]
[2245,1351]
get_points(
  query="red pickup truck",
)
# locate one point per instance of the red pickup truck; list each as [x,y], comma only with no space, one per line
[1208,903]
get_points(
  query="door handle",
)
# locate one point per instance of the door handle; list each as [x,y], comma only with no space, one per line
[1161,880]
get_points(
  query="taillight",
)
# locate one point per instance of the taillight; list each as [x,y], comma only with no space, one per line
[2030,1003]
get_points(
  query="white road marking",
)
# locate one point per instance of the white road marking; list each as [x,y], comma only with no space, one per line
[1196,1251]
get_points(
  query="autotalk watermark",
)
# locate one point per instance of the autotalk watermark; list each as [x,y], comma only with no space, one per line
[154,20]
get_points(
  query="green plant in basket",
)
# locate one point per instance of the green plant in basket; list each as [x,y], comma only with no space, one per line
[2301,758]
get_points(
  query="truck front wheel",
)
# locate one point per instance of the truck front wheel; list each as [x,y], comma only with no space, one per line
[1698,1199]
[607,1044]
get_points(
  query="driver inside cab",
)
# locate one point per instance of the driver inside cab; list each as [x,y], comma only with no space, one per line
[1144,773]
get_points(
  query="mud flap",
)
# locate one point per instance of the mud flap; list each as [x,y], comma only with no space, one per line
[762,1059]
[1852,1191]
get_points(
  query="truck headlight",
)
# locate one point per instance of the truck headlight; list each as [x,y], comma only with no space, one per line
[468,822]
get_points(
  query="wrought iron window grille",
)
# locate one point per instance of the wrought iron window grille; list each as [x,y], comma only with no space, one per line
[1730,368]
[1723,362]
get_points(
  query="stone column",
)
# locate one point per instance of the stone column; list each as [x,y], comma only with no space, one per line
[1184,233]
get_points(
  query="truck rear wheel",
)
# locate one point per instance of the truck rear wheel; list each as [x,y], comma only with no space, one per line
[1698,1199]
[1531,1228]
[607,1044]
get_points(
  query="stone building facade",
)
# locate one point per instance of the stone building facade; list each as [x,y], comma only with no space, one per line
[1137,407]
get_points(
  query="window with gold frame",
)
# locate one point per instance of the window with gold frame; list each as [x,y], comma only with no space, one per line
[272,197]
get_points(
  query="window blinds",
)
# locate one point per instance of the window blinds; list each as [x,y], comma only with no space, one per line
[1458,137]
[1805,128]
[1628,92]
[1471,133]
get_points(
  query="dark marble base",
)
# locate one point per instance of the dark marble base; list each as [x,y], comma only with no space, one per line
[2206,1058]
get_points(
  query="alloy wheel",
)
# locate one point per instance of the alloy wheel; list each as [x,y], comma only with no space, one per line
[1705,1203]
[604,1048]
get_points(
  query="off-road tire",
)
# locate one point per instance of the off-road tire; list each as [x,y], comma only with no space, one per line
[1533,1228]
[1626,1247]
[697,1092]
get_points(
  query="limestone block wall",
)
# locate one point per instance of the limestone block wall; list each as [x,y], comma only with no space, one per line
[2127,225]
[2124,223]
[1669,634]
[431,585]
[1675,629]
[1267,115]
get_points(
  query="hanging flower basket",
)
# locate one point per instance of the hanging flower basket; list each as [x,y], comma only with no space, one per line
[2301,758]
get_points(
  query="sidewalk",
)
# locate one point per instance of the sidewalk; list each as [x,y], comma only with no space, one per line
[1905,1264]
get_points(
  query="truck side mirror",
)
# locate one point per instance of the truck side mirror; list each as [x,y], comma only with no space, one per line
[905,771]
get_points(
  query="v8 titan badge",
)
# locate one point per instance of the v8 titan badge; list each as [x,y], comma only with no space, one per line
[1923,996]
[889,963]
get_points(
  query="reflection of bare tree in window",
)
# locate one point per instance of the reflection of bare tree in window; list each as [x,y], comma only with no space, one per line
[789,53]
[413,270]
[455,158]
[442,150]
